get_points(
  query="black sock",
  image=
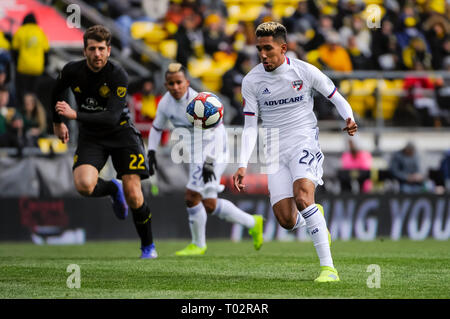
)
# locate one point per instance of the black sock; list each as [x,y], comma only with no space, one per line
[142,218]
[104,188]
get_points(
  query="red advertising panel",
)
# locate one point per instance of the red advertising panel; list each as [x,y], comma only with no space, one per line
[55,26]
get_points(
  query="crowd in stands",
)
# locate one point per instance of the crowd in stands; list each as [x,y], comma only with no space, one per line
[23,58]
[211,37]
[215,40]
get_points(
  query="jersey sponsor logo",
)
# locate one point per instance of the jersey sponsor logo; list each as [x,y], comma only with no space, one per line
[121,91]
[92,105]
[104,91]
[288,100]
[266,91]
[297,85]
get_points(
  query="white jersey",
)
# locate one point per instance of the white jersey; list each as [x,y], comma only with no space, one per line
[283,99]
[213,141]
[170,109]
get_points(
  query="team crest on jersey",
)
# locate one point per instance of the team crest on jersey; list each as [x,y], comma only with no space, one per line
[121,91]
[297,85]
[104,90]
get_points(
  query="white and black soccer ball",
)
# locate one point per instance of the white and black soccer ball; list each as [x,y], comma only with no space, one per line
[205,110]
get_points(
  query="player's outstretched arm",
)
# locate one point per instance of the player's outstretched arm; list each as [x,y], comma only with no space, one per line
[351,127]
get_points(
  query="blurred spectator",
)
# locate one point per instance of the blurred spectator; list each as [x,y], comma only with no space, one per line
[214,37]
[174,13]
[348,8]
[359,60]
[294,51]
[445,169]
[8,85]
[243,38]
[266,14]
[125,13]
[420,93]
[357,160]
[231,85]
[5,58]
[146,100]
[189,39]
[405,114]
[203,6]
[11,122]
[34,119]
[155,9]
[408,27]
[392,13]
[178,11]
[333,56]
[313,39]
[437,31]
[144,104]
[30,47]
[386,52]
[442,86]
[416,54]
[355,29]
[301,20]
[404,167]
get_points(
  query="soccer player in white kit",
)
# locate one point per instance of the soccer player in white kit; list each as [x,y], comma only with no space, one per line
[204,171]
[279,91]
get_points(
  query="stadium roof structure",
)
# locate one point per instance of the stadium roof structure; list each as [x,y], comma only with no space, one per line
[49,19]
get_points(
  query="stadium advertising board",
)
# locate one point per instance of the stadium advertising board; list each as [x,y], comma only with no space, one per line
[348,217]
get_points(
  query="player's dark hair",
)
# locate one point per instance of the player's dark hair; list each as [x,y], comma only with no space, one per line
[98,33]
[175,68]
[273,29]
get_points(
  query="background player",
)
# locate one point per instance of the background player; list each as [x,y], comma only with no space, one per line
[105,129]
[204,175]
[279,90]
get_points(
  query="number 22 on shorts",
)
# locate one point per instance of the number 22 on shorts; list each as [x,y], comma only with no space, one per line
[308,157]
[134,159]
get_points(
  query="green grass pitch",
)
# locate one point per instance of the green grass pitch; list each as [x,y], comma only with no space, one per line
[280,270]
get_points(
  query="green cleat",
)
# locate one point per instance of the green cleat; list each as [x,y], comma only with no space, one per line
[327,274]
[257,232]
[191,250]
[323,213]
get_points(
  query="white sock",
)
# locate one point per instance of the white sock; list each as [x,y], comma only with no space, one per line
[197,224]
[300,221]
[226,210]
[317,229]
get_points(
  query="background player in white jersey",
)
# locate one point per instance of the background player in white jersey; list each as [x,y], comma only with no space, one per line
[204,175]
[279,90]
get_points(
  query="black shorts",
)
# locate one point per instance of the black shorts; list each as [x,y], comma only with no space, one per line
[125,147]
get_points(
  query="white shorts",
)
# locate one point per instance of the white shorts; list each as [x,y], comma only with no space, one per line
[215,143]
[303,161]
[210,189]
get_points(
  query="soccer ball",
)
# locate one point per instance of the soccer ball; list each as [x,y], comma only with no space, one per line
[205,110]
